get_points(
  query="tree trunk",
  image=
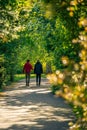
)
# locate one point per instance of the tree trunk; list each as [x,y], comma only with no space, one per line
[48,68]
[11,76]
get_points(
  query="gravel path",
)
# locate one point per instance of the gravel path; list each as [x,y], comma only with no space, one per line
[33,108]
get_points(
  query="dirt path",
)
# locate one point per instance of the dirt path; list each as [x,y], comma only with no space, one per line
[33,108]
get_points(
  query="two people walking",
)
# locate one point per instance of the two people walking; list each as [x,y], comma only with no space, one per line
[38,70]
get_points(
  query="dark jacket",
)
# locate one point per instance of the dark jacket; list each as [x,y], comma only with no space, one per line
[38,68]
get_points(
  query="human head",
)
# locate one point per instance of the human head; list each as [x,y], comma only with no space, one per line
[37,60]
[28,60]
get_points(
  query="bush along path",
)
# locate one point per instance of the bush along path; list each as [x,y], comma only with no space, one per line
[33,108]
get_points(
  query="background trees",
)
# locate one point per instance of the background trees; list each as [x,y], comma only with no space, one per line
[53,31]
[72,81]
[45,26]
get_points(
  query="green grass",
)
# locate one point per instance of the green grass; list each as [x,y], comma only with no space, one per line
[22,76]
[19,77]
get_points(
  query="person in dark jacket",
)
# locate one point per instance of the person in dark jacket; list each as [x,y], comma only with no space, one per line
[27,69]
[38,70]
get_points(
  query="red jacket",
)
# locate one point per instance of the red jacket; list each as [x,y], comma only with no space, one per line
[27,67]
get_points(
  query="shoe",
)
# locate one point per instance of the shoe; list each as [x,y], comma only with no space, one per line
[36,84]
[27,84]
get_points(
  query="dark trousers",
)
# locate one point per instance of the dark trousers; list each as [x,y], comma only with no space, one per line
[27,79]
[38,79]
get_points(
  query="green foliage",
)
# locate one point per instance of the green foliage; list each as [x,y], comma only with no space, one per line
[45,30]
[78,111]
[55,88]
[2,71]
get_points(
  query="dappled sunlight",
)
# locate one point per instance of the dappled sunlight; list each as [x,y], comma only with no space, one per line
[30,115]
[54,31]
[28,91]
[32,107]
[2,94]
[22,83]
[44,91]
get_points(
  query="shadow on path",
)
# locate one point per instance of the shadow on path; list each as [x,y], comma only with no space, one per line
[33,108]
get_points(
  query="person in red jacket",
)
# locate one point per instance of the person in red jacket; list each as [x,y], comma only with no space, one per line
[27,69]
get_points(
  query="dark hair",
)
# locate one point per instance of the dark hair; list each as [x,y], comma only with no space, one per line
[28,60]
